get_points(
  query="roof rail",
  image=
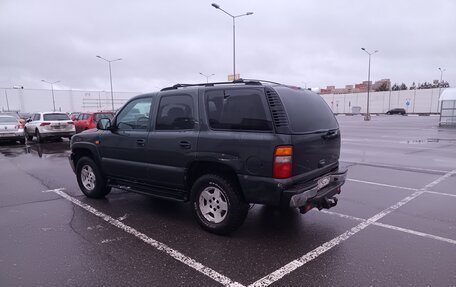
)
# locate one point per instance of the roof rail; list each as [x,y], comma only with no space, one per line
[238,81]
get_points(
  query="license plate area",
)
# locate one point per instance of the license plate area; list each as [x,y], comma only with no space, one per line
[322,182]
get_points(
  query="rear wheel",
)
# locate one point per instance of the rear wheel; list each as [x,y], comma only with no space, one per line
[218,204]
[90,179]
[39,138]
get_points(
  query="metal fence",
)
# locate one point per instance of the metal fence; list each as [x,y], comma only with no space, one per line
[413,101]
[35,100]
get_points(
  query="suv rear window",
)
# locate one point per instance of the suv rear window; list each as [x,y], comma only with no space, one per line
[307,111]
[240,109]
[56,117]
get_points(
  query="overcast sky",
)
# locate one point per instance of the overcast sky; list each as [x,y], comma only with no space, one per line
[304,43]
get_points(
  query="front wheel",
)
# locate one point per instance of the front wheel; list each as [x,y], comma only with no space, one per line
[90,179]
[218,205]
[28,136]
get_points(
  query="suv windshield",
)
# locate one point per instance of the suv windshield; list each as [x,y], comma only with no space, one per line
[56,117]
[307,111]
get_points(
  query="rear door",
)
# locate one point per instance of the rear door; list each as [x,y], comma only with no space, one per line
[314,130]
[31,126]
[172,144]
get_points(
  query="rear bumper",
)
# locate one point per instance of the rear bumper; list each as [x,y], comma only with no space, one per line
[57,134]
[270,191]
[316,193]
[12,136]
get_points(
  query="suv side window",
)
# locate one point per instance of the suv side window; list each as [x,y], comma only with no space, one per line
[175,112]
[135,115]
[36,117]
[240,109]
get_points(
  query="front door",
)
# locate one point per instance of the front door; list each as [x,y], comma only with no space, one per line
[123,149]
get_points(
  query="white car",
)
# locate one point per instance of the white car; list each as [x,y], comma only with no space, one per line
[11,129]
[49,125]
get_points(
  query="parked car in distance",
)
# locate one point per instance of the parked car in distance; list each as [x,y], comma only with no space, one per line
[220,146]
[49,125]
[86,121]
[11,129]
[74,115]
[16,115]
[396,111]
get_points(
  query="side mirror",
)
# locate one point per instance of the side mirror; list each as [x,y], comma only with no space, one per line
[28,120]
[104,124]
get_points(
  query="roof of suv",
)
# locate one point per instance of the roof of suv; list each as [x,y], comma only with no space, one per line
[239,82]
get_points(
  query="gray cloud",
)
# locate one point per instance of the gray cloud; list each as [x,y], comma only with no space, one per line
[165,42]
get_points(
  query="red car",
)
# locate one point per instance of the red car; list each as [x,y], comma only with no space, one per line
[87,121]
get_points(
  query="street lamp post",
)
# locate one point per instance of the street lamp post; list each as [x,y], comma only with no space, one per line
[440,86]
[52,90]
[216,6]
[367,117]
[110,77]
[207,76]
[441,79]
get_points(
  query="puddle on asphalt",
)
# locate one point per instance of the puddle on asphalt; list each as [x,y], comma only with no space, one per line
[44,150]
[429,140]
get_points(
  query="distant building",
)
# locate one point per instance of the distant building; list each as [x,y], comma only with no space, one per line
[358,88]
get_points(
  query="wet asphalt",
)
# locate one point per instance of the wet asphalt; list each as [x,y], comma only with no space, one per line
[47,240]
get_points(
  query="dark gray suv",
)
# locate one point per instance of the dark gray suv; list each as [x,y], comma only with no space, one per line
[221,146]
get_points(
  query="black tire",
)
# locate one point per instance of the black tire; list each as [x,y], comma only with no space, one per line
[28,136]
[39,138]
[236,207]
[100,189]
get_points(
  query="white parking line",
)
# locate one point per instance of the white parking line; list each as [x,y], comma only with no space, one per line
[382,184]
[393,227]
[407,168]
[402,187]
[440,179]
[152,242]
[295,264]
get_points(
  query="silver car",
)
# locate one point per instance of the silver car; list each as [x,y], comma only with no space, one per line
[49,125]
[11,129]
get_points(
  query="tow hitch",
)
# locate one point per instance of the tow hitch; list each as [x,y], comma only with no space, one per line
[325,203]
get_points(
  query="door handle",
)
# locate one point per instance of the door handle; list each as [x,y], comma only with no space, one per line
[140,142]
[185,144]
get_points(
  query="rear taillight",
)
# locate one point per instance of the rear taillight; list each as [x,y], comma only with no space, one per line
[44,124]
[282,166]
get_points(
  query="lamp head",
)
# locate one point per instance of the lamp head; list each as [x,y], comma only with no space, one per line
[216,6]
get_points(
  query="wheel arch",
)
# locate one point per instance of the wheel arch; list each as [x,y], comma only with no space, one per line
[200,168]
[79,151]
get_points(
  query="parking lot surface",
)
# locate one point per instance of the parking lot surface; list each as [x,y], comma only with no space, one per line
[395,223]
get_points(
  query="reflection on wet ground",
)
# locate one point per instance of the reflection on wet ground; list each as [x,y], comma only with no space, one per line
[428,140]
[48,149]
